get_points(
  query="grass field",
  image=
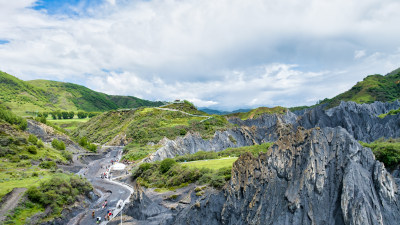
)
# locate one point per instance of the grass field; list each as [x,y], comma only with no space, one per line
[214,164]
[6,185]
[69,124]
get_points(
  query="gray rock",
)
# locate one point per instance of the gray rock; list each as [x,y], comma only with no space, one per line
[317,176]
[360,120]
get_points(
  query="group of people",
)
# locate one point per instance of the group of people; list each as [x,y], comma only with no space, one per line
[106,217]
[105,175]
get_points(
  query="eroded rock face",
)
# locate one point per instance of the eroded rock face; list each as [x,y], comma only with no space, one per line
[192,142]
[317,176]
[47,134]
[360,120]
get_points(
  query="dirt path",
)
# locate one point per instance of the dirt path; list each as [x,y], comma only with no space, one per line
[10,201]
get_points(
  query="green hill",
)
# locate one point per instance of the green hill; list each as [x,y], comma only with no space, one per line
[43,95]
[144,125]
[372,88]
[254,113]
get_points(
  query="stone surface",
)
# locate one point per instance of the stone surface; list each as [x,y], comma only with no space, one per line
[317,176]
[360,120]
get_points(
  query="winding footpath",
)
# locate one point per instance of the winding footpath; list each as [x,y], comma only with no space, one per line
[108,189]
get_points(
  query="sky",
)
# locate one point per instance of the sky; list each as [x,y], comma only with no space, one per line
[220,54]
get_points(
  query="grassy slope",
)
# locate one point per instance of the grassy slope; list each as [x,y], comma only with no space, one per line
[254,113]
[148,124]
[83,98]
[213,164]
[213,168]
[22,96]
[44,95]
[18,168]
[185,107]
[372,88]
[386,151]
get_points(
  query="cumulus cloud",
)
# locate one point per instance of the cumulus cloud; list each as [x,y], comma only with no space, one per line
[224,54]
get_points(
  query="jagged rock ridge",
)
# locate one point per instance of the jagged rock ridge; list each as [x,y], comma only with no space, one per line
[317,176]
[360,120]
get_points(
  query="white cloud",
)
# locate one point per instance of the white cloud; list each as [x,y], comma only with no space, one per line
[228,53]
[359,54]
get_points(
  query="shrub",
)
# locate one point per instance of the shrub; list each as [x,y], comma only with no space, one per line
[32,139]
[39,143]
[145,166]
[67,155]
[83,142]
[82,115]
[166,164]
[92,147]
[48,165]
[32,149]
[386,151]
[57,144]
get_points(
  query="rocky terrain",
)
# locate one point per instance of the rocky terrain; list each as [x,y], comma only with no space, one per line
[360,120]
[47,134]
[314,176]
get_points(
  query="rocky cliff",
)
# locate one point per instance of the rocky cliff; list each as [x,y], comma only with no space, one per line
[360,120]
[316,176]
[192,142]
[47,134]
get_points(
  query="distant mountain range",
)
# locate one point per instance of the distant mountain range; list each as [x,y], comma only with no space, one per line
[45,95]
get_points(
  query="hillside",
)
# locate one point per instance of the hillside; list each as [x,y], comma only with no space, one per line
[43,95]
[254,113]
[144,125]
[371,88]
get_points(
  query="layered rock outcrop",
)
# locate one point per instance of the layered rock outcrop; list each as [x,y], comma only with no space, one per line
[360,120]
[193,142]
[317,176]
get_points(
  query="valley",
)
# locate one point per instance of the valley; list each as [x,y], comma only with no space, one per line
[336,162]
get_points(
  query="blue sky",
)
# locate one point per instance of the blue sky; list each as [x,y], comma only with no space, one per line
[224,54]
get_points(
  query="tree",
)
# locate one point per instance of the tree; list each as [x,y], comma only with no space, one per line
[71,114]
[59,114]
[82,115]
[65,115]
[54,115]
[166,164]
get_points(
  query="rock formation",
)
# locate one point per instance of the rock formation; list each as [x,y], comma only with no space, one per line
[316,176]
[360,120]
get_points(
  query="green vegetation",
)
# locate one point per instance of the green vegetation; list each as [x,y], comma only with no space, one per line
[89,146]
[229,152]
[18,152]
[372,88]
[134,151]
[298,108]
[213,164]
[169,175]
[173,175]
[9,117]
[57,144]
[254,113]
[68,124]
[57,192]
[149,125]
[185,106]
[27,97]
[391,112]
[386,151]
